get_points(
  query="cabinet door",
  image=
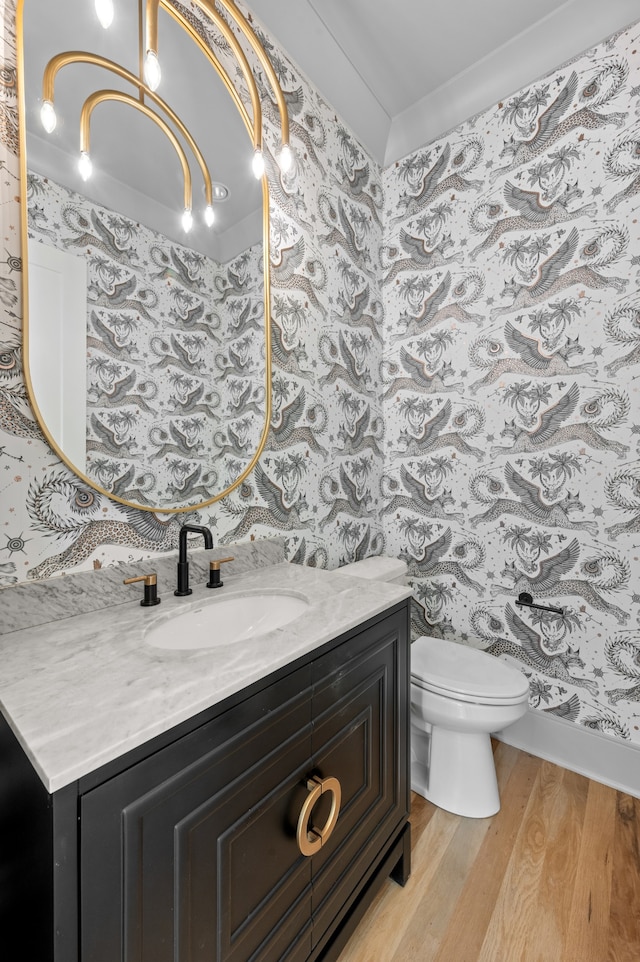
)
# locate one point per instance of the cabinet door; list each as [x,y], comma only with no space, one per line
[360,708]
[192,854]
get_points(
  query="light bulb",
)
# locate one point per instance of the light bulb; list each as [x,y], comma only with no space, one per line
[187,220]
[285,158]
[85,166]
[257,164]
[209,215]
[104,12]
[152,73]
[48,116]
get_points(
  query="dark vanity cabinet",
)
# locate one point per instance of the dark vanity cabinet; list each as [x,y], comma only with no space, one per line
[191,851]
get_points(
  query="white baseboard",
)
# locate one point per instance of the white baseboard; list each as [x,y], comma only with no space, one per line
[608,760]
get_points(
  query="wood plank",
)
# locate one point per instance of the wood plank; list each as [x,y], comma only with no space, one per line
[432,831]
[386,919]
[587,934]
[517,911]
[553,877]
[558,877]
[472,915]
[425,931]
[624,926]
[423,934]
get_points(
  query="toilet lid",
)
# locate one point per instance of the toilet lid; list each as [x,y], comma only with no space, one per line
[448,668]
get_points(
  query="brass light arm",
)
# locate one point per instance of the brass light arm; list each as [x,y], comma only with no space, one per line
[230,37]
[81,56]
[222,73]
[238,18]
[151,25]
[141,52]
[100,96]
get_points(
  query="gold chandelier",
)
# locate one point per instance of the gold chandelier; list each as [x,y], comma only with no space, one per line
[148,81]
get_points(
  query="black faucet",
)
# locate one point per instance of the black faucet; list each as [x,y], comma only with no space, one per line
[183,565]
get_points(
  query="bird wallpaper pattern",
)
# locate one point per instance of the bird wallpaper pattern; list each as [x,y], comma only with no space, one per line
[456,359]
[510,270]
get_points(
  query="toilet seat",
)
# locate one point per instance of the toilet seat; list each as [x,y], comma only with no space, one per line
[464,673]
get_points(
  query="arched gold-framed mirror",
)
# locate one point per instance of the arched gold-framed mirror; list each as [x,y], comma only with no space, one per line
[146,350]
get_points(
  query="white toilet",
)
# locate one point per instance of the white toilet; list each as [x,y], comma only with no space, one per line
[459,695]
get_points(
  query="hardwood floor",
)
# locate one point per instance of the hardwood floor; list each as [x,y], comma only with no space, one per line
[553,877]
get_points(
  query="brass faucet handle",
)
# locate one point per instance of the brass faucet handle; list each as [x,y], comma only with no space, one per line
[150,579]
[150,597]
[214,572]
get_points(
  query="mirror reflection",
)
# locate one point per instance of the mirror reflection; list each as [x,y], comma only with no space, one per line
[145,342]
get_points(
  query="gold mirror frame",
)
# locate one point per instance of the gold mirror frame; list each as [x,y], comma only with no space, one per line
[254,130]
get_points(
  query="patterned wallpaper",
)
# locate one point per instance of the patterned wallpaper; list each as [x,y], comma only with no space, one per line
[164,324]
[511,391]
[318,479]
[481,425]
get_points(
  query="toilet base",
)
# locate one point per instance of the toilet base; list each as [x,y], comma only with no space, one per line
[455,770]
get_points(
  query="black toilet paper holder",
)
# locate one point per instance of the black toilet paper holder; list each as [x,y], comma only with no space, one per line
[525,600]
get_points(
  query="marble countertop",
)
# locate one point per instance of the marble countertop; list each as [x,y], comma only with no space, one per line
[81,691]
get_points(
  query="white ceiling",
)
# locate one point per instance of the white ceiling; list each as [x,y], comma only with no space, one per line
[402,73]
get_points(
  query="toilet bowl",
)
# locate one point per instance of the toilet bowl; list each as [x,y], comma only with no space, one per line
[459,695]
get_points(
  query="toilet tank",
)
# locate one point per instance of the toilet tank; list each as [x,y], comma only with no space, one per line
[379,568]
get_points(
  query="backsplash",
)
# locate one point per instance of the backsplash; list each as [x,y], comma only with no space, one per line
[52,599]
[483,426]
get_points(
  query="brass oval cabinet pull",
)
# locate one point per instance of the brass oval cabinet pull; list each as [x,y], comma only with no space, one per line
[311,839]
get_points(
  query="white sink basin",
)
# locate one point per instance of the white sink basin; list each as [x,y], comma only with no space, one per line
[225,620]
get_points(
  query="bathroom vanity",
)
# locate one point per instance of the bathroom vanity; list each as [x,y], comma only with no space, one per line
[187,841]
